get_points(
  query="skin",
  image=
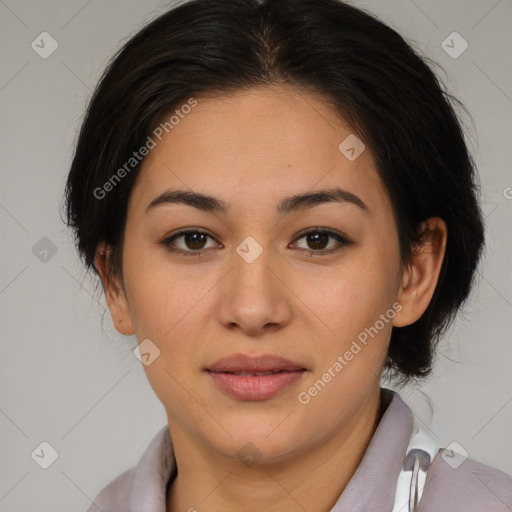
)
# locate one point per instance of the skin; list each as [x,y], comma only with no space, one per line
[251,150]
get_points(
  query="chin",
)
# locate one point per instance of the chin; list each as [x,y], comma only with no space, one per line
[255,444]
[251,451]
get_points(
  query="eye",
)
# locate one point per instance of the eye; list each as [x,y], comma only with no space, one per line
[318,239]
[194,242]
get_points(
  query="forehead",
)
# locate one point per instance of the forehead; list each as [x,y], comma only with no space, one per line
[257,145]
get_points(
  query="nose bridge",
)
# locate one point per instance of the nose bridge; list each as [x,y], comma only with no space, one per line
[254,298]
[252,260]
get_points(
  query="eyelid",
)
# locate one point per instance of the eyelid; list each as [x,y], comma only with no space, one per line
[320,229]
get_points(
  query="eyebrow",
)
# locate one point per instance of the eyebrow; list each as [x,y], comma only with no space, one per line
[290,204]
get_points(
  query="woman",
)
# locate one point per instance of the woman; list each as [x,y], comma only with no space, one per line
[280,204]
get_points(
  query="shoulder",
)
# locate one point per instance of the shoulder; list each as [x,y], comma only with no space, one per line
[471,486]
[142,483]
[116,495]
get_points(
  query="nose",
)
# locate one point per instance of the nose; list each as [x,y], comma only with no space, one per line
[255,297]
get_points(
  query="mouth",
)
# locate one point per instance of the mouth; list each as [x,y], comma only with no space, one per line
[256,374]
[242,363]
[254,378]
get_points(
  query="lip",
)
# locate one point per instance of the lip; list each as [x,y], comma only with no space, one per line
[241,376]
[246,363]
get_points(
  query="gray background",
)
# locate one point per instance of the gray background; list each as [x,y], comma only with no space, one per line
[70,379]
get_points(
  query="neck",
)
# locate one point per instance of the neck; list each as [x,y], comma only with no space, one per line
[312,480]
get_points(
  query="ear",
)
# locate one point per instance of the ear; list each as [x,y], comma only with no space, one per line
[420,277]
[114,293]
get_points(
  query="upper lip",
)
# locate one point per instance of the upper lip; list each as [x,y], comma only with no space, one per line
[246,363]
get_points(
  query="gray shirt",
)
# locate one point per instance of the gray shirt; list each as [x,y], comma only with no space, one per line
[470,487]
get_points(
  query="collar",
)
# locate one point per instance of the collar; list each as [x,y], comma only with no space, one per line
[372,486]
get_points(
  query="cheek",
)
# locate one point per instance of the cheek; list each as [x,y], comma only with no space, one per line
[167,307]
[163,297]
[170,305]
[351,340]
[348,305]
[352,295]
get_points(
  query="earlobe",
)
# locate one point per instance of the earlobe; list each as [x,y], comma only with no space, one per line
[421,275]
[114,294]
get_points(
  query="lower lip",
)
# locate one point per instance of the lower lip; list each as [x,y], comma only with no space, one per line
[254,387]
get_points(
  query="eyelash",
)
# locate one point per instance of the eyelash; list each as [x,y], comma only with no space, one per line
[343,241]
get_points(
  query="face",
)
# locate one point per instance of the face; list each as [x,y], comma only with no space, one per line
[313,282]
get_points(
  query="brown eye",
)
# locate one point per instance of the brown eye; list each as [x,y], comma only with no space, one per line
[194,241]
[192,244]
[317,241]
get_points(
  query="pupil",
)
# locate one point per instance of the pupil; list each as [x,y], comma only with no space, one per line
[317,239]
[192,240]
